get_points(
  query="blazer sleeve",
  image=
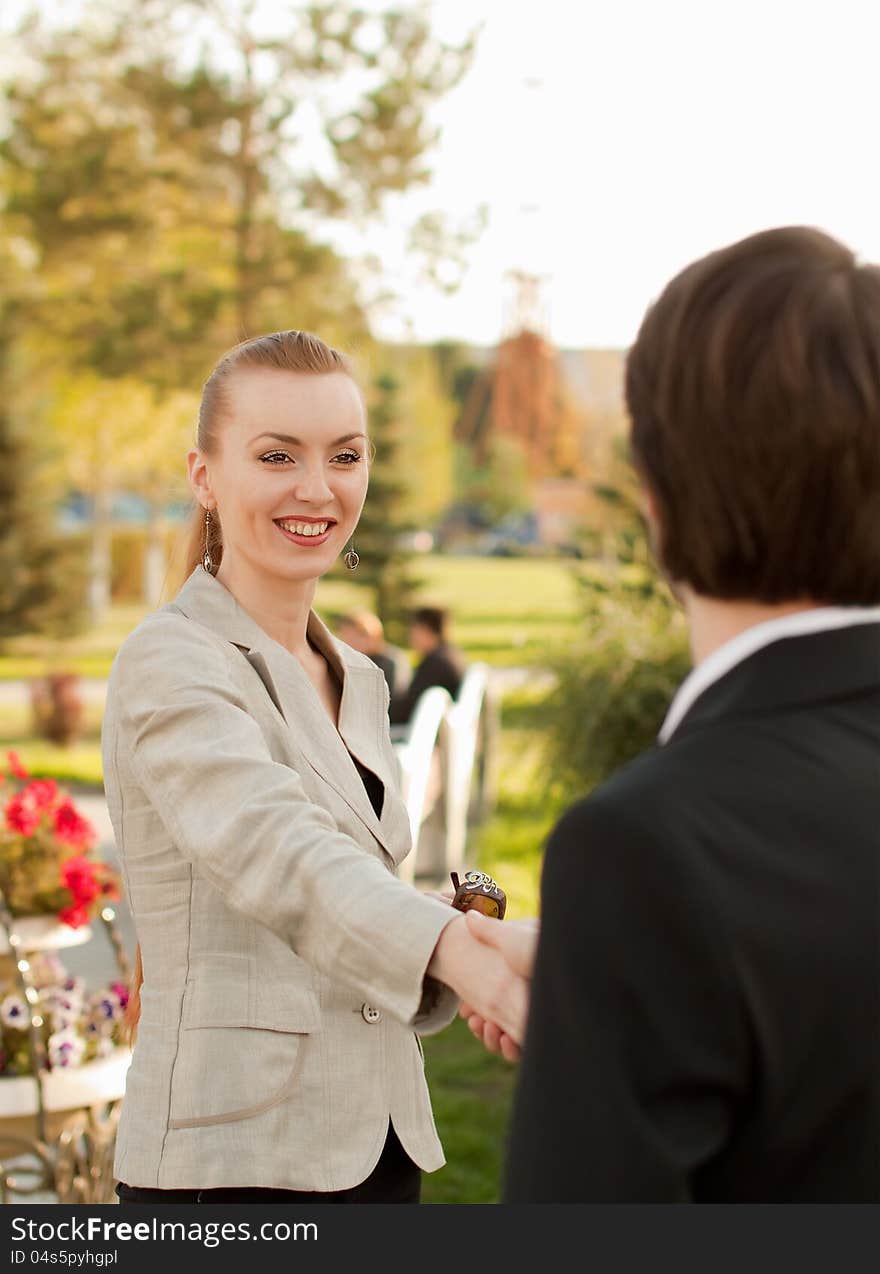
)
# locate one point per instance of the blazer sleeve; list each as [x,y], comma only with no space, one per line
[247,823]
[637,1051]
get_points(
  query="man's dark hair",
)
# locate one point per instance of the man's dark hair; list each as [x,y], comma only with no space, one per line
[753,390]
[434,618]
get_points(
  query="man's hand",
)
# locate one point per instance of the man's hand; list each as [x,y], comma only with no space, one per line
[481,976]
[516,941]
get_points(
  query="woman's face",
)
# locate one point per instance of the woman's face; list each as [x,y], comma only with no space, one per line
[290,477]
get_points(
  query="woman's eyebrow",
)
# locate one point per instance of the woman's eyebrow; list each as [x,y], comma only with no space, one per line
[297,442]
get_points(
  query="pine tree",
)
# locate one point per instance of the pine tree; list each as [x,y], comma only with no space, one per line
[385,561]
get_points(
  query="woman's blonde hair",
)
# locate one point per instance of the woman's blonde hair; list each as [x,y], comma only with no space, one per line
[291,351]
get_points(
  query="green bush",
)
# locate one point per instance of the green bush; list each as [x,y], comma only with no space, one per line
[615,684]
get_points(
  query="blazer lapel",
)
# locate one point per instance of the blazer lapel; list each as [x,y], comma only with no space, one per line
[206,600]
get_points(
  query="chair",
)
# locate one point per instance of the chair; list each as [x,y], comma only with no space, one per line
[422,758]
[446,758]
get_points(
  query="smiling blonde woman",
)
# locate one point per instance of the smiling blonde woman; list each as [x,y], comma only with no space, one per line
[286,972]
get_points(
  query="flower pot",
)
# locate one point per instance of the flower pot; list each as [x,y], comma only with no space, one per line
[45,933]
[74,1161]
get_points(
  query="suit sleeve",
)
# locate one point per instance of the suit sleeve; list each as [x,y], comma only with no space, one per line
[636,1050]
[248,825]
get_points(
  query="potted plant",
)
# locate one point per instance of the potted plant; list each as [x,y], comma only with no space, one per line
[63,1058]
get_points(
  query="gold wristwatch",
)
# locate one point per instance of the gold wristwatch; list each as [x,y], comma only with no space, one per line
[478,892]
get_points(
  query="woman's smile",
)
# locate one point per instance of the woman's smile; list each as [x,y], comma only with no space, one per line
[306,531]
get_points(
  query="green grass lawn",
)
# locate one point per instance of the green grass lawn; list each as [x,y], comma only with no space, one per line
[507,611]
[471,1092]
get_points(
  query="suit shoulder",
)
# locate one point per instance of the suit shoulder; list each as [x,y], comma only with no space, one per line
[166,644]
[632,788]
[634,817]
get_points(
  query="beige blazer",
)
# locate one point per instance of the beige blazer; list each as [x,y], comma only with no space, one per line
[284,963]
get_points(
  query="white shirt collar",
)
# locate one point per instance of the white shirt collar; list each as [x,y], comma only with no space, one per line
[732,652]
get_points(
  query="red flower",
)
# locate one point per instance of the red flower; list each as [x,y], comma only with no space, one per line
[80,877]
[22,816]
[16,766]
[71,828]
[41,793]
[75,916]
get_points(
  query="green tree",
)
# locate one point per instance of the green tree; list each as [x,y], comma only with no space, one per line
[423,455]
[498,486]
[42,581]
[162,176]
[380,540]
[322,113]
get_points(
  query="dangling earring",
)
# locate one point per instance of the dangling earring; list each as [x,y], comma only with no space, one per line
[351,558]
[207,563]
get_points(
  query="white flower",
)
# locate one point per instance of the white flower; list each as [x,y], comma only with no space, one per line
[66,1048]
[99,1028]
[66,1009]
[74,987]
[107,1007]
[14,1012]
[105,1046]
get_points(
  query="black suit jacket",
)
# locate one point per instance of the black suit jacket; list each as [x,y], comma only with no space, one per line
[444,667]
[705,1020]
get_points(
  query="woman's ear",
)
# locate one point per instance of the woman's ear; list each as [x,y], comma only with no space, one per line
[197,471]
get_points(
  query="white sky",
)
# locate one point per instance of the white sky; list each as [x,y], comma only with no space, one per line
[613,142]
[660,130]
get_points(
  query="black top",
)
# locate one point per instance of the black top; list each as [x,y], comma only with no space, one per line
[705,1015]
[374,785]
[444,666]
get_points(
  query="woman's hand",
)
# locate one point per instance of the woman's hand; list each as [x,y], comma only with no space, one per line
[517,941]
[482,977]
[442,895]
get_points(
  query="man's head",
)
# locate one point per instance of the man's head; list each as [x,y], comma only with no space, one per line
[362,631]
[753,389]
[428,628]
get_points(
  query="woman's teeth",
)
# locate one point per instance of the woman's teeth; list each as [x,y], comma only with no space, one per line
[304,528]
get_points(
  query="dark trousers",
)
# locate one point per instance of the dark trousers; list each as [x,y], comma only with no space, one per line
[395,1179]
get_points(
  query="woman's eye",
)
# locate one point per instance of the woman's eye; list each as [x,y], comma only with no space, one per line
[348,457]
[274,457]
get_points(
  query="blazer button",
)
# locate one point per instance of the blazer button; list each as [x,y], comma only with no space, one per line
[370,1014]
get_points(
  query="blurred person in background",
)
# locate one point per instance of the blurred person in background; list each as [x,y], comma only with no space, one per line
[363,631]
[705,1018]
[284,972]
[441,664]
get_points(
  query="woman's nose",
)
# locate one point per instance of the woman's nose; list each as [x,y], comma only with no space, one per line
[312,485]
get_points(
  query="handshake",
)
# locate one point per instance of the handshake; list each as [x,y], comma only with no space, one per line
[489,966]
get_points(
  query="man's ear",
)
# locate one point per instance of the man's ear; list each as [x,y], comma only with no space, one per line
[649,509]
[197,471]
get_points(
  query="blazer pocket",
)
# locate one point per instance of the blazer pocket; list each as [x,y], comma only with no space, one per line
[231,1066]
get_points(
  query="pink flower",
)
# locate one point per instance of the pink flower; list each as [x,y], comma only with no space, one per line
[122,991]
[70,826]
